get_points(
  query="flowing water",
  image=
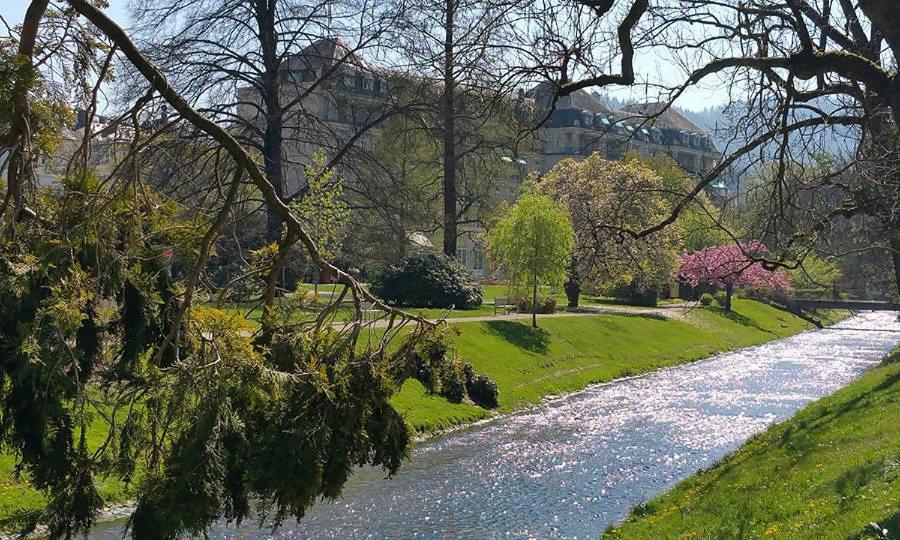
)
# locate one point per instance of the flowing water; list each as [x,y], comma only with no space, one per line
[569,468]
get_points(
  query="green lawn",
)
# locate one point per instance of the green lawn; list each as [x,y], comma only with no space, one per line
[828,472]
[569,353]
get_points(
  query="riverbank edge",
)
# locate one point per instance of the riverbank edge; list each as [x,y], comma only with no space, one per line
[120,509]
[550,399]
[701,494]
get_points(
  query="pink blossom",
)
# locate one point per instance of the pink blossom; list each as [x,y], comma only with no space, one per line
[721,266]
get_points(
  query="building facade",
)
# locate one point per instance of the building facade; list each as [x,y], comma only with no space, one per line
[332,96]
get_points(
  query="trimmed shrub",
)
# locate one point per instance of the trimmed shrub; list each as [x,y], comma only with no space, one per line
[482,390]
[706,299]
[437,371]
[428,279]
[451,377]
[545,304]
[721,298]
[453,381]
[635,295]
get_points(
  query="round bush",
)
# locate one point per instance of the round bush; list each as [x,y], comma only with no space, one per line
[428,279]
[721,298]
[545,304]
[483,391]
[706,299]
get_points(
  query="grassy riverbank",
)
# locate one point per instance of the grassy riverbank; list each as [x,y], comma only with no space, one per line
[829,472]
[568,353]
[564,355]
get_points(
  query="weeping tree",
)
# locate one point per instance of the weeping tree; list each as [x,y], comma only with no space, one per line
[532,244]
[111,366]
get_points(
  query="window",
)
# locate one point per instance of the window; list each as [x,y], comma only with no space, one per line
[478,260]
[303,75]
[349,80]
[368,83]
[462,255]
[335,113]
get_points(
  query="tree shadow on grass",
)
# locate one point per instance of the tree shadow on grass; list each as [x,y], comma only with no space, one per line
[531,339]
[654,316]
[891,525]
[741,319]
[886,390]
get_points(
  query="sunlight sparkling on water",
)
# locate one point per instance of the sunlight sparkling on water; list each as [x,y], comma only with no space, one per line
[569,468]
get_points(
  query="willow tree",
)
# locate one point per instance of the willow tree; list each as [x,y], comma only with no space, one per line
[532,244]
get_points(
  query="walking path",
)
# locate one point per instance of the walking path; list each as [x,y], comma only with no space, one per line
[670,311]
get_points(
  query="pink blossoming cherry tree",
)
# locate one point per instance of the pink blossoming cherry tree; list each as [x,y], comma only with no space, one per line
[730,266]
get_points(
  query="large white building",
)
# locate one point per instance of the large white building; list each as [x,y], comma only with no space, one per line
[334,95]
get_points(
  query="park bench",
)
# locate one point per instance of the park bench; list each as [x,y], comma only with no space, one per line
[503,304]
[369,311]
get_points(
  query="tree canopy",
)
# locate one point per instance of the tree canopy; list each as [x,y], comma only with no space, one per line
[731,266]
[604,197]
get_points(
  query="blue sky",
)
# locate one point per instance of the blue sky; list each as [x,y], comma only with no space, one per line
[648,66]
[14,10]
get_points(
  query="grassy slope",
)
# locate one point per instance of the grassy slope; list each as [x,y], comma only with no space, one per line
[569,353]
[828,472]
[566,355]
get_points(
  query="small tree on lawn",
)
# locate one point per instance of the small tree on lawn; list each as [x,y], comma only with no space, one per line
[730,266]
[533,243]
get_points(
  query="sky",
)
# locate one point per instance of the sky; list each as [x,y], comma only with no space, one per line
[14,10]
[648,66]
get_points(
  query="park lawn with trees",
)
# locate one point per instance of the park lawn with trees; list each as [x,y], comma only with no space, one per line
[829,471]
[565,355]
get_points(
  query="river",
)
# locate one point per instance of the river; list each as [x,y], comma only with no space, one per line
[571,467]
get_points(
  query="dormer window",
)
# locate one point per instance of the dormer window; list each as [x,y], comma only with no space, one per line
[302,75]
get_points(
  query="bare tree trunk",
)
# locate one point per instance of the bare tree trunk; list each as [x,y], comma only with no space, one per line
[895,258]
[273,169]
[572,284]
[272,142]
[729,291]
[19,125]
[449,114]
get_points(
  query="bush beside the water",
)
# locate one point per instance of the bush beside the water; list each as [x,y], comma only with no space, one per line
[483,391]
[453,379]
